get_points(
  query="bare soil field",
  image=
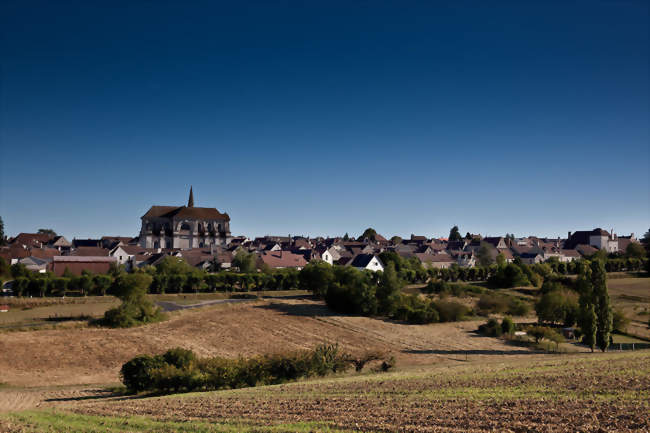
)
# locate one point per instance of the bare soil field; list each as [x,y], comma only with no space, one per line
[95,355]
[542,393]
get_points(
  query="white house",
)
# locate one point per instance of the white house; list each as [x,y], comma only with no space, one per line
[367,261]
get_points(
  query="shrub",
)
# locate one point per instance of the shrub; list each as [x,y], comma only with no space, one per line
[451,311]
[179,370]
[620,321]
[138,374]
[491,328]
[558,307]
[507,326]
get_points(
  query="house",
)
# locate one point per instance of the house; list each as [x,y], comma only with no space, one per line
[60,243]
[35,264]
[597,238]
[532,257]
[77,264]
[31,240]
[281,259]
[466,259]
[76,243]
[366,261]
[497,242]
[89,251]
[435,260]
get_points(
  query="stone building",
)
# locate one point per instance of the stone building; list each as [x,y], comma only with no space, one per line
[184,226]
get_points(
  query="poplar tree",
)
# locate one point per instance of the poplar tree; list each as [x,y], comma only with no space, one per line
[587,317]
[601,304]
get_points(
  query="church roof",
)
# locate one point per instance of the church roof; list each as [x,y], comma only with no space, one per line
[185,212]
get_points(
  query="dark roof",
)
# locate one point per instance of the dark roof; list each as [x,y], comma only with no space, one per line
[185,212]
[361,260]
[86,243]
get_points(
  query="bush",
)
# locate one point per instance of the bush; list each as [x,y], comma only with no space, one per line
[180,370]
[451,311]
[558,306]
[496,303]
[620,321]
[507,326]
[491,328]
[138,374]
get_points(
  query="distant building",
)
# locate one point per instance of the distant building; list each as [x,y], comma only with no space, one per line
[78,264]
[184,227]
[597,238]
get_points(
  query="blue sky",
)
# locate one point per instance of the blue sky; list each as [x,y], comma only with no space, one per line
[326,117]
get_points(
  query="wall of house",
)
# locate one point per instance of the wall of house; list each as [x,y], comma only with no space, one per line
[375,265]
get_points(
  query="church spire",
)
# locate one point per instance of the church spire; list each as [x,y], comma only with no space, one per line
[190,201]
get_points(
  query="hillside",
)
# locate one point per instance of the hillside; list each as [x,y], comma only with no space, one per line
[95,355]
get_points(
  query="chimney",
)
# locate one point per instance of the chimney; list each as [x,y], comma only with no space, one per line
[569,235]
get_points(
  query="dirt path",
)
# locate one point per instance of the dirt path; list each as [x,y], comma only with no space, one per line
[16,399]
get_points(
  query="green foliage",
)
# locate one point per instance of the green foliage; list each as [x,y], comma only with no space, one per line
[635,250]
[491,328]
[138,373]
[369,233]
[558,306]
[602,304]
[395,240]
[2,232]
[180,370]
[486,254]
[18,270]
[414,309]
[454,234]
[388,289]
[620,321]
[136,308]
[246,262]
[507,326]
[456,289]
[510,275]
[451,311]
[496,303]
[46,232]
[317,276]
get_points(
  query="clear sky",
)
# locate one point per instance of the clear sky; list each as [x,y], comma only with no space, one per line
[326,117]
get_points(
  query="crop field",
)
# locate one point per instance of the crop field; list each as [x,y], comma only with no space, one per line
[545,393]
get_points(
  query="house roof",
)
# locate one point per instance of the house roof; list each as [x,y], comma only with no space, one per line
[361,260]
[282,259]
[31,239]
[90,251]
[83,259]
[203,213]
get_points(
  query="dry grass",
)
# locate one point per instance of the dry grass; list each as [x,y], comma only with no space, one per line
[95,355]
[632,296]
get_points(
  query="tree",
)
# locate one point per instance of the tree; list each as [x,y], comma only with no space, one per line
[388,289]
[246,262]
[136,308]
[2,232]
[468,236]
[601,304]
[46,232]
[635,250]
[558,306]
[485,254]
[454,234]
[317,276]
[396,240]
[501,260]
[620,321]
[587,317]
[369,233]
[102,283]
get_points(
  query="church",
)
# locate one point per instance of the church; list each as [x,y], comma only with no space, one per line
[184,227]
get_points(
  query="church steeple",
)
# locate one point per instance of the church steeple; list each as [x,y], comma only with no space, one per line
[190,201]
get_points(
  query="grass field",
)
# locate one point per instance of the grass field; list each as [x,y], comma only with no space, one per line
[632,296]
[545,393]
